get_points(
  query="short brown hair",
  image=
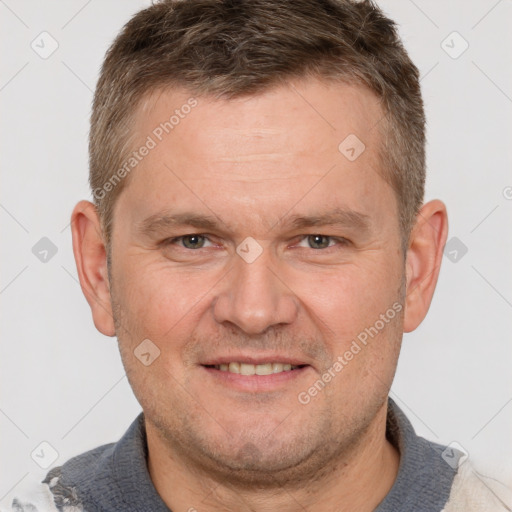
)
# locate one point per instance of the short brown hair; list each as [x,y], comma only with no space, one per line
[231,48]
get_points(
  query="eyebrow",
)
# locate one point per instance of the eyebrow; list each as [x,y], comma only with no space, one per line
[337,217]
[161,221]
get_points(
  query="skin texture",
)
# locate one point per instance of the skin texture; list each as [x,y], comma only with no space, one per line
[254,164]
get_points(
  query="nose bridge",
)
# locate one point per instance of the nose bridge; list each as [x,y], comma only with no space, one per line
[253,296]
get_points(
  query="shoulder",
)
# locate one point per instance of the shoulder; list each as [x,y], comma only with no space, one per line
[474,492]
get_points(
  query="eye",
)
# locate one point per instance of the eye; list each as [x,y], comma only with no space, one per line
[194,241]
[320,241]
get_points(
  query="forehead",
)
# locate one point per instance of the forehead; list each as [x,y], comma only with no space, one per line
[305,144]
[319,113]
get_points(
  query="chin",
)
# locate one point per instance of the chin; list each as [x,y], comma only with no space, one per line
[262,466]
[291,456]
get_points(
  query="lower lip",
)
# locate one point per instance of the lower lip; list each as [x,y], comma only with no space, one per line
[256,383]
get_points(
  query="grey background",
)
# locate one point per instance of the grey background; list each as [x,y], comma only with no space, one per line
[63,382]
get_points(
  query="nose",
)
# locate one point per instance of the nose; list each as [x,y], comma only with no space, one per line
[255,297]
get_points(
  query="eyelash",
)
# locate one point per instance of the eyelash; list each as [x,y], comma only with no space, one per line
[341,241]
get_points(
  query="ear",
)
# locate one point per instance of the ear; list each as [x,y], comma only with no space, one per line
[91,262]
[424,256]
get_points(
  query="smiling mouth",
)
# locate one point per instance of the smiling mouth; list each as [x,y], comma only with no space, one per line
[255,369]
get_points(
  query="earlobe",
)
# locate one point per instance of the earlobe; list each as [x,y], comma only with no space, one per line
[91,262]
[423,263]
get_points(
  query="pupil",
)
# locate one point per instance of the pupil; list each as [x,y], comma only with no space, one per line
[318,241]
[193,241]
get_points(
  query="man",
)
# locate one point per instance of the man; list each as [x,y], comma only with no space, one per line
[258,243]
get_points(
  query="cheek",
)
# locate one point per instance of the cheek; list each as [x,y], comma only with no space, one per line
[161,305]
[351,297]
[160,302]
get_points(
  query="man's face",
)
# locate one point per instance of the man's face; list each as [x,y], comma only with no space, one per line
[266,167]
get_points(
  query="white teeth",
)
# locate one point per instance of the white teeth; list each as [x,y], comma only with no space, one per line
[277,367]
[264,369]
[255,369]
[247,369]
[234,367]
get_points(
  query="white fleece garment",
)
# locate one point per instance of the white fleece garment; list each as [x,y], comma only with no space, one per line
[473,493]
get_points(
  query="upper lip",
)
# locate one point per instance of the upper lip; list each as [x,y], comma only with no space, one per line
[254,359]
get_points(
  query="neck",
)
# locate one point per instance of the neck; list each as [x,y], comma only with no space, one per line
[356,481]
